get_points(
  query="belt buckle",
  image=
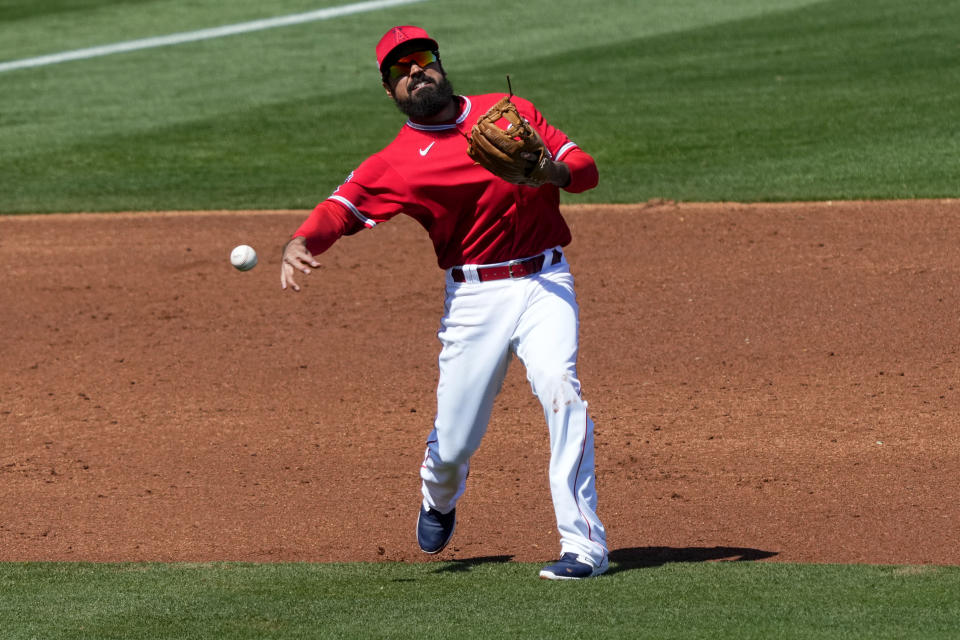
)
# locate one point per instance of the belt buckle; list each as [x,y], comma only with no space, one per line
[510,266]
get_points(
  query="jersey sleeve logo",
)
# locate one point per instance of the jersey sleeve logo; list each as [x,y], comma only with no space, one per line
[349,178]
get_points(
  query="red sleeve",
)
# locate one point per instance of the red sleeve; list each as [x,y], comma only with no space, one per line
[583,171]
[325,225]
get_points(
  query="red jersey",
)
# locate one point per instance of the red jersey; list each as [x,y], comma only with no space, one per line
[472,216]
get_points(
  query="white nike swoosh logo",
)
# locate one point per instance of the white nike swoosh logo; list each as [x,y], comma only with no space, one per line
[426,149]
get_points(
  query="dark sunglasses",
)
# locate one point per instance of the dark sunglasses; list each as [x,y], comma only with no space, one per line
[402,66]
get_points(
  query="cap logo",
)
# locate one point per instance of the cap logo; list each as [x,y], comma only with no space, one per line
[400,35]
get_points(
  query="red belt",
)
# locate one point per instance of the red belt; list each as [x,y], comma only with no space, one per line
[513,269]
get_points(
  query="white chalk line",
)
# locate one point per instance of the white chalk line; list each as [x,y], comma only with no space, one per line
[203,34]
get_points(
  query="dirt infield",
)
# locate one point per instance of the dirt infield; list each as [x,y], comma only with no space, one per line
[768,381]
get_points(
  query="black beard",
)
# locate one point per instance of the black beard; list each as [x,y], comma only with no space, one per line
[429,100]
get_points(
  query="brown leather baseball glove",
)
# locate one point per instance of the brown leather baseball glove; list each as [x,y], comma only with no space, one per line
[516,154]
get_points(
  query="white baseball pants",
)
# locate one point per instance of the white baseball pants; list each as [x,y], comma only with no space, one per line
[484,323]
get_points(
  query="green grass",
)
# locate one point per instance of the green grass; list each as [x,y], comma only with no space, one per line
[696,101]
[475,600]
[691,100]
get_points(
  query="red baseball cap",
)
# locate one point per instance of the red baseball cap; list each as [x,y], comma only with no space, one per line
[403,40]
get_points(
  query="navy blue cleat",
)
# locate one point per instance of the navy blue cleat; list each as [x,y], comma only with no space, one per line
[434,529]
[570,566]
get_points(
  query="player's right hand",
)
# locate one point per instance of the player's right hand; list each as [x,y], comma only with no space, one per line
[296,257]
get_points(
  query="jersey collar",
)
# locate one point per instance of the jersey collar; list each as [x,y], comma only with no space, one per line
[449,125]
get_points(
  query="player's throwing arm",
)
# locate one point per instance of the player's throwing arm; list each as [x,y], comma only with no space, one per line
[296,257]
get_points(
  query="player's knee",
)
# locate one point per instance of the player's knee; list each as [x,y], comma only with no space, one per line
[453,452]
[557,389]
[455,456]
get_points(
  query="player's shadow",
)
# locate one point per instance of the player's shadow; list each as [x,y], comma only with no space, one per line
[647,557]
[635,558]
[460,566]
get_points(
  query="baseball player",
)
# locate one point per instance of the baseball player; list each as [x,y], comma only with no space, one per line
[482,174]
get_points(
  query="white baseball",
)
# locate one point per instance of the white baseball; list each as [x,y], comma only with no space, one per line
[243,257]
